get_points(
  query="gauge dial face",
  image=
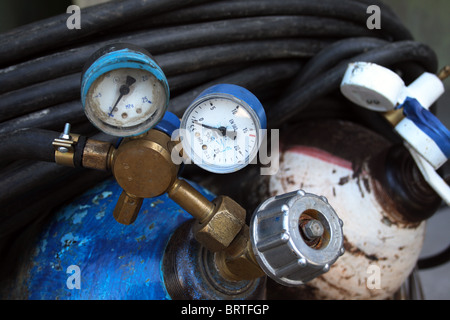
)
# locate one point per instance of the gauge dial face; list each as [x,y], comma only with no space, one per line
[220,134]
[125,102]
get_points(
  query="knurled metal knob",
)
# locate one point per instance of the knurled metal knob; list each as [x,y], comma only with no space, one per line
[296,237]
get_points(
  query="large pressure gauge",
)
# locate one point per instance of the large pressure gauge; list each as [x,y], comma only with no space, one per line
[123,91]
[222,130]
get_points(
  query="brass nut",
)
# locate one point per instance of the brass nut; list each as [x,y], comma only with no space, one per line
[238,262]
[225,223]
[127,208]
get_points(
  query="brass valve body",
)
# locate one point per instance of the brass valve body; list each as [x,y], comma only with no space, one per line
[142,166]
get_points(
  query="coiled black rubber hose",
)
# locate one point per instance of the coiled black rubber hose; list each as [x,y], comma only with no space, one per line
[67,87]
[32,39]
[344,10]
[332,55]
[288,52]
[160,41]
[51,33]
[35,144]
[387,55]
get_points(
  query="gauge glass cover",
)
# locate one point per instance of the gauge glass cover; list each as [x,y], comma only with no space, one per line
[220,133]
[125,112]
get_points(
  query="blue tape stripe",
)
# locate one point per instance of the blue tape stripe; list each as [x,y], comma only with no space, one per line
[119,59]
[168,124]
[242,94]
[428,123]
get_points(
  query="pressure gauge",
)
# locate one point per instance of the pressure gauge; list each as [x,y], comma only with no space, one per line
[222,130]
[123,90]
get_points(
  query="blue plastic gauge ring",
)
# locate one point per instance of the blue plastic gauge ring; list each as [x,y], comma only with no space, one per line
[222,130]
[123,90]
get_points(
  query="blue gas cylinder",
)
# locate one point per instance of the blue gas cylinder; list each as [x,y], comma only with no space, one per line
[84,253]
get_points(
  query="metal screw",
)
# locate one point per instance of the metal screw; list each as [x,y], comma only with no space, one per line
[65,136]
[66,133]
[313,229]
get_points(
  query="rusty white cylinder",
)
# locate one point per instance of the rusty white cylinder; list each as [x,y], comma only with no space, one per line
[380,251]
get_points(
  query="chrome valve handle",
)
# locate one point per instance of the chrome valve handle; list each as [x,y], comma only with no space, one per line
[296,237]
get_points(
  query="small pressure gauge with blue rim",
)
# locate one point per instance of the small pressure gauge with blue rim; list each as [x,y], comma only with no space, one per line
[222,130]
[123,90]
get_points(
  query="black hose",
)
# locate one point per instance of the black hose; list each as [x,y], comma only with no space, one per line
[332,55]
[252,78]
[227,54]
[33,144]
[259,44]
[392,28]
[329,81]
[61,90]
[25,177]
[33,38]
[185,81]
[49,118]
[435,260]
[179,38]
[39,96]
[19,181]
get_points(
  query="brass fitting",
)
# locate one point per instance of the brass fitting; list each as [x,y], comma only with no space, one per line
[142,165]
[97,155]
[143,168]
[395,116]
[219,221]
[127,208]
[238,261]
[191,200]
[64,150]
[224,224]
[444,73]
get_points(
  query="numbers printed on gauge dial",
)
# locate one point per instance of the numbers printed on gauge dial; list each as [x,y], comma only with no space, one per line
[221,133]
[125,97]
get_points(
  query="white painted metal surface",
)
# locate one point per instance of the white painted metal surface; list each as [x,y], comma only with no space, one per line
[380,252]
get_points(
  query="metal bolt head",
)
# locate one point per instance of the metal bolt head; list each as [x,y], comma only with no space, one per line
[63,149]
[313,229]
[66,133]
[127,208]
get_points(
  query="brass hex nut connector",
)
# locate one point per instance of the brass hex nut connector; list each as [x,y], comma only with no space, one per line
[127,208]
[225,223]
[238,262]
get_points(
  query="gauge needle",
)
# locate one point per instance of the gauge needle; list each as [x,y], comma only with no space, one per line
[124,90]
[223,130]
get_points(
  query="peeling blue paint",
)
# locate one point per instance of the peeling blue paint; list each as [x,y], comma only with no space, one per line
[77,218]
[116,261]
[100,214]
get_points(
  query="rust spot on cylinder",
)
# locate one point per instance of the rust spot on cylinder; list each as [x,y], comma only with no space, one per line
[352,249]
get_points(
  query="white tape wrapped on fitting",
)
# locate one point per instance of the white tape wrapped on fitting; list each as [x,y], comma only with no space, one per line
[380,89]
[372,86]
[426,89]
[421,142]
